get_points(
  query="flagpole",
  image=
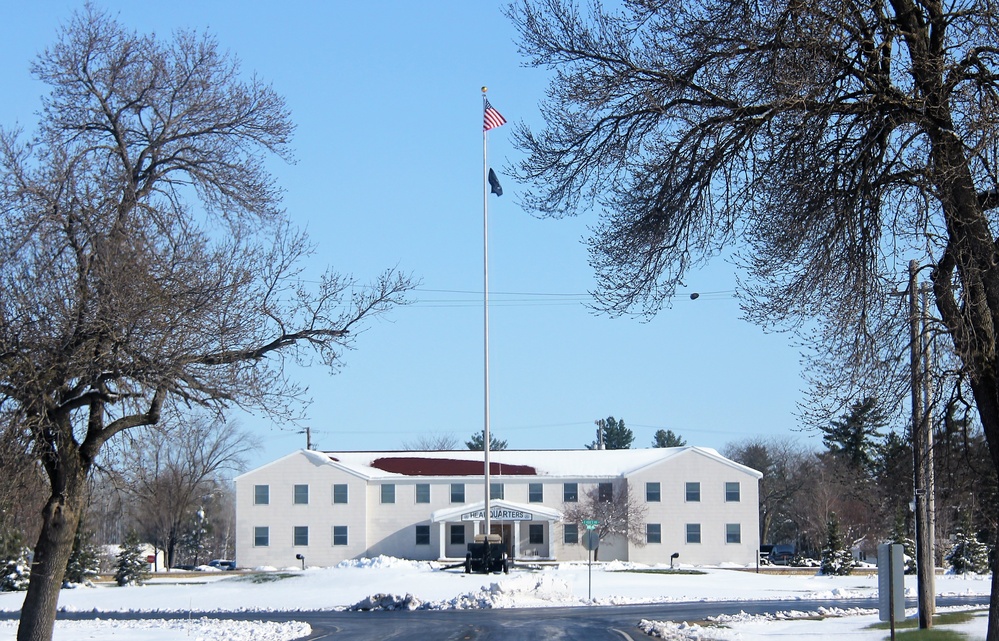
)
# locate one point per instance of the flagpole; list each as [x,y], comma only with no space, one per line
[485,316]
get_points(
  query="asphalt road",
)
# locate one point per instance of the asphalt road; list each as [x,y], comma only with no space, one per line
[597,623]
[613,623]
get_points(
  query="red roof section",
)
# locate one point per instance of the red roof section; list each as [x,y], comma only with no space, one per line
[416,466]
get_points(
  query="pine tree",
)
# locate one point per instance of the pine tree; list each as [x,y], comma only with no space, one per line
[854,437]
[84,562]
[898,536]
[132,567]
[968,554]
[666,438]
[14,563]
[615,435]
[476,443]
[836,558]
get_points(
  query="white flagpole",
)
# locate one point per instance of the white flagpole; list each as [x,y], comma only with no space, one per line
[485,313]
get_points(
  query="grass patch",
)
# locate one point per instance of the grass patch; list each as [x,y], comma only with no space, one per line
[933,634]
[909,627]
[947,618]
[661,571]
[266,577]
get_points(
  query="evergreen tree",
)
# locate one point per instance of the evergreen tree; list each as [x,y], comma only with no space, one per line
[131,567]
[475,443]
[968,553]
[899,536]
[615,435]
[84,561]
[195,538]
[15,569]
[666,438]
[853,437]
[836,557]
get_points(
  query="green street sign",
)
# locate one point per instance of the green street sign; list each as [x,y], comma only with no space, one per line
[590,523]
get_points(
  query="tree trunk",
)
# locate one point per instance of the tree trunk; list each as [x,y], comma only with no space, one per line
[60,518]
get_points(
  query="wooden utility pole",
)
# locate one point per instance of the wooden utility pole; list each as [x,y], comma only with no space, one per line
[922,457]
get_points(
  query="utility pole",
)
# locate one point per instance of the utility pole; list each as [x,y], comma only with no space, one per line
[921,453]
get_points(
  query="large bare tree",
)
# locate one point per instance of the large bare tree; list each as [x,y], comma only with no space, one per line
[827,143]
[146,264]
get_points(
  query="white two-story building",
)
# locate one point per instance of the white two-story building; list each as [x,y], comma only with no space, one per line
[332,506]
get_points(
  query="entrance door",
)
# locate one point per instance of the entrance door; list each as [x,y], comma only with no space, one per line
[505,530]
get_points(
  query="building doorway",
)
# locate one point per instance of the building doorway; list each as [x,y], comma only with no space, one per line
[505,531]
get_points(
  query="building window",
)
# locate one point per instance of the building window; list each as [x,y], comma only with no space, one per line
[652,492]
[388,492]
[457,535]
[495,491]
[536,493]
[339,535]
[693,492]
[733,533]
[457,492]
[605,492]
[301,495]
[423,493]
[423,535]
[653,533]
[570,533]
[693,533]
[732,494]
[340,493]
[261,536]
[570,492]
[536,533]
[301,535]
[261,494]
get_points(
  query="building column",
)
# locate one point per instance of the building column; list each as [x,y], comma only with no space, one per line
[516,539]
[441,541]
[475,529]
[551,540]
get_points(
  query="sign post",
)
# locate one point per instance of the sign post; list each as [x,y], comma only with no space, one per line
[891,598]
[591,541]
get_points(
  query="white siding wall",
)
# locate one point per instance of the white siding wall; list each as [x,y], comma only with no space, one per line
[282,515]
[374,528]
[713,513]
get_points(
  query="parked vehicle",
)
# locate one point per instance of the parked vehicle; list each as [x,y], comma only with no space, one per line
[222,564]
[782,554]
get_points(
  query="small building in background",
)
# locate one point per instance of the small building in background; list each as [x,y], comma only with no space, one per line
[320,508]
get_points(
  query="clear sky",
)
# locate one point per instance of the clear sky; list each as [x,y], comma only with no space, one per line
[386,98]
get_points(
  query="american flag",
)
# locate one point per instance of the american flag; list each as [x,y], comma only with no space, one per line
[492,118]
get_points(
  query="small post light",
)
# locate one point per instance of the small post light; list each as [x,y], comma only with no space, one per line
[675,555]
[301,557]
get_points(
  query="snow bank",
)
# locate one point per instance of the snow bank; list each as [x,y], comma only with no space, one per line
[154,629]
[523,591]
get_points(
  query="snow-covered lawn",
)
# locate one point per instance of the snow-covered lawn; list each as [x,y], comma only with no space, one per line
[350,583]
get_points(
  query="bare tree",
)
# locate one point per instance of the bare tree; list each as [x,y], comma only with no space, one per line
[786,467]
[168,475]
[827,143]
[432,442]
[620,514]
[146,264]
[24,488]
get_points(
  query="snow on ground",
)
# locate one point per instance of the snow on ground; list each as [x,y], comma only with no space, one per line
[354,582]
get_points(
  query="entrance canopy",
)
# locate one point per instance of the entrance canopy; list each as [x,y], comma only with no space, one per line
[499,510]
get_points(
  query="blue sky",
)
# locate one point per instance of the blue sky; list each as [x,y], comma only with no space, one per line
[386,98]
